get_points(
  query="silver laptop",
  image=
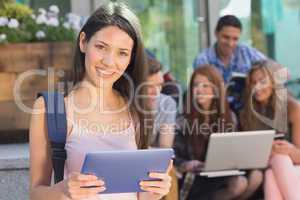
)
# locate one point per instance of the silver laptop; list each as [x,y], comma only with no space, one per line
[230,153]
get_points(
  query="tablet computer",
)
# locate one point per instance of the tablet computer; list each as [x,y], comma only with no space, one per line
[123,170]
[229,153]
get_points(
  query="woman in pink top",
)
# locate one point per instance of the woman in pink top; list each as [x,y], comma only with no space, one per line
[269,105]
[104,110]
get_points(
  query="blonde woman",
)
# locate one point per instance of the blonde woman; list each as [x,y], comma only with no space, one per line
[268,105]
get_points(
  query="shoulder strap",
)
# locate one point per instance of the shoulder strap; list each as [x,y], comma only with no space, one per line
[57,131]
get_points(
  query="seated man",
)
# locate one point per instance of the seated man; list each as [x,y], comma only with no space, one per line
[163,107]
[227,54]
[164,111]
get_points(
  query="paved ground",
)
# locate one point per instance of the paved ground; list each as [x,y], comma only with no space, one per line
[14,185]
[14,174]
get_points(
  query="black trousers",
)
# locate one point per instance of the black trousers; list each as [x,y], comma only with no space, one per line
[204,188]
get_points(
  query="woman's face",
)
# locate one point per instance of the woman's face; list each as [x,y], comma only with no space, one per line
[203,90]
[262,86]
[107,55]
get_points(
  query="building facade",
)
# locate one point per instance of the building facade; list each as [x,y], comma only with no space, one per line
[177,30]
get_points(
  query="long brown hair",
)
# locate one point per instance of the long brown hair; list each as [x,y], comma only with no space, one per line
[118,14]
[221,116]
[273,115]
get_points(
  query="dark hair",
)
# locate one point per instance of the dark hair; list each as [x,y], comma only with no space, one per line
[198,139]
[154,66]
[228,20]
[118,14]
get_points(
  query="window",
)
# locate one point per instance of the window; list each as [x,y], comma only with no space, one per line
[170,30]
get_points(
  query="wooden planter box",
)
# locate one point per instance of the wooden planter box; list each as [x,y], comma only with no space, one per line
[16,59]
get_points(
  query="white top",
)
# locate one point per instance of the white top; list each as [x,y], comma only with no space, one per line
[81,141]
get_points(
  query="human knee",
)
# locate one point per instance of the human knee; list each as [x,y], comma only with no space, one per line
[255,178]
[238,186]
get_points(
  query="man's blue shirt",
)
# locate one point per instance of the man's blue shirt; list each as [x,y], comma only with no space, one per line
[241,60]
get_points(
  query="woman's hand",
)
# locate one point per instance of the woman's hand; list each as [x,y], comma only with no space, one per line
[155,190]
[81,186]
[282,147]
[192,166]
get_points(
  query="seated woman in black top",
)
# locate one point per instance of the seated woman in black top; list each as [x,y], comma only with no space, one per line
[206,112]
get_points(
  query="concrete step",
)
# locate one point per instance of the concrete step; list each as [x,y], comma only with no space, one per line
[14,173]
[14,156]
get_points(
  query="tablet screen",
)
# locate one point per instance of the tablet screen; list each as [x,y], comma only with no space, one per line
[122,171]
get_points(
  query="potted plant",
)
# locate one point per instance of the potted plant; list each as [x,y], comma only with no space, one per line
[35,40]
[30,40]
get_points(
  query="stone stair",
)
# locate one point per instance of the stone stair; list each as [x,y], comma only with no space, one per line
[14,171]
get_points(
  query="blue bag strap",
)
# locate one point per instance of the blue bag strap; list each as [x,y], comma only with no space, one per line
[57,130]
[56,116]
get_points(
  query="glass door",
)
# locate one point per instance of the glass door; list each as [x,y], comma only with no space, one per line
[171,32]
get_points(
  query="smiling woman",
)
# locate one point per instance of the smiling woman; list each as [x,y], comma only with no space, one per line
[268,105]
[206,112]
[109,66]
[108,54]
